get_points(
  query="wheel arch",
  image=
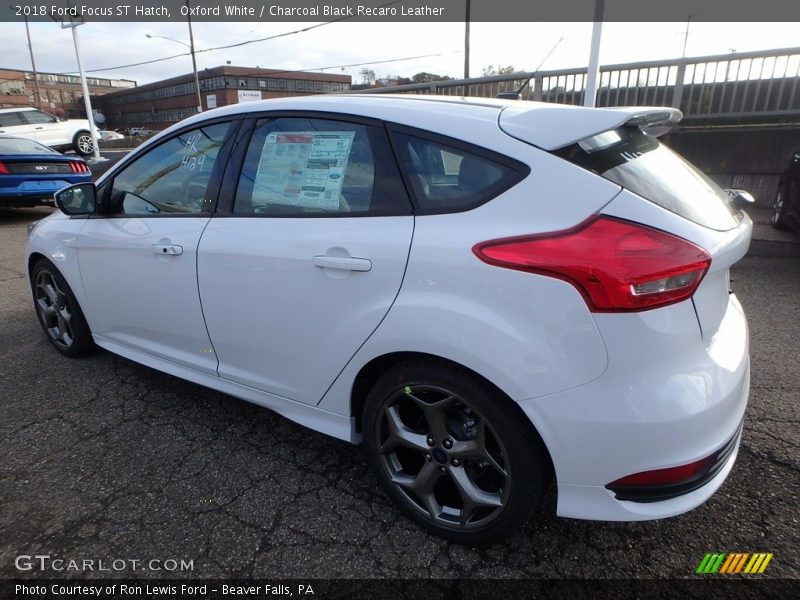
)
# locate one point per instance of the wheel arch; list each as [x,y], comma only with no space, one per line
[34,258]
[369,374]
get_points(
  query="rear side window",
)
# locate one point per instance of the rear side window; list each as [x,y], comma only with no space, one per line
[10,119]
[450,177]
[640,163]
[298,166]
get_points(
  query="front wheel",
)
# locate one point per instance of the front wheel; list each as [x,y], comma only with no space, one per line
[83,143]
[58,311]
[457,456]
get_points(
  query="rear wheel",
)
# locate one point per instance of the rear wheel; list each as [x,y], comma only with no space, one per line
[58,311]
[83,143]
[778,219]
[456,455]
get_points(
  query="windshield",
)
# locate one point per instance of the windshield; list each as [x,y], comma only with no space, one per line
[641,164]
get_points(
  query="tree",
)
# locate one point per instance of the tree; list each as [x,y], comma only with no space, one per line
[492,70]
[367,76]
[428,77]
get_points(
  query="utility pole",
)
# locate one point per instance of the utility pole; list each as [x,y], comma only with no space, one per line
[593,72]
[466,42]
[194,61]
[87,103]
[37,94]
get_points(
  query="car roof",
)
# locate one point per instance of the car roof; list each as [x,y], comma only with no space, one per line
[546,125]
[17,108]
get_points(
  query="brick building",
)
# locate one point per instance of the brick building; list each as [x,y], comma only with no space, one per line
[60,94]
[157,105]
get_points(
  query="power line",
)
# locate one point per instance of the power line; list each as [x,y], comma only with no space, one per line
[239,44]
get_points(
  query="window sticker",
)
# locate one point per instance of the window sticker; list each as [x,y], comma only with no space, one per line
[303,168]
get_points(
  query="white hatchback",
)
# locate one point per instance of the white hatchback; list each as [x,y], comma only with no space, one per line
[489,294]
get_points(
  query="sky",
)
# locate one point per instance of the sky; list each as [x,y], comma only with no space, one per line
[522,45]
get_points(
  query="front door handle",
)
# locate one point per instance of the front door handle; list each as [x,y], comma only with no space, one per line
[167,249]
[342,263]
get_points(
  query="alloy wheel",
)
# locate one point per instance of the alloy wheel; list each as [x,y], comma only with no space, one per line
[444,457]
[85,144]
[54,310]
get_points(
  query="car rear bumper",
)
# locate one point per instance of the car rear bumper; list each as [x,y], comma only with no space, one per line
[35,192]
[25,200]
[667,399]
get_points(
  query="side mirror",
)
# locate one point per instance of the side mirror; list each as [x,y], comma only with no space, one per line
[79,199]
[741,198]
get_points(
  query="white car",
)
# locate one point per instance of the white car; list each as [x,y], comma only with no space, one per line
[486,293]
[110,136]
[55,132]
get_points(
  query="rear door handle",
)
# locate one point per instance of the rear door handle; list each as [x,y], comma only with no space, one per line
[167,249]
[342,263]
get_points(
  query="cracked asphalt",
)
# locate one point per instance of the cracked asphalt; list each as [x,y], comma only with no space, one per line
[101,458]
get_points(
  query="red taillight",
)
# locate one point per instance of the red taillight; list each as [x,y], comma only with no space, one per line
[616,265]
[660,477]
[78,167]
[3,168]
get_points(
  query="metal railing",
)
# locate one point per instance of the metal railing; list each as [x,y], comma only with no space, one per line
[738,85]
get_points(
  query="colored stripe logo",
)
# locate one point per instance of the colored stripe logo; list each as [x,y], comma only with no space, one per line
[734,562]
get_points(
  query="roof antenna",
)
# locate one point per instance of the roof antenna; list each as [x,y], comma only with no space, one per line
[518,94]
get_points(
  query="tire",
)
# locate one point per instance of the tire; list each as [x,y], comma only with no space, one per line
[59,314]
[778,217]
[457,456]
[83,144]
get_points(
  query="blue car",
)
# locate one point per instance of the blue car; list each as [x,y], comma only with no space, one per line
[31,173]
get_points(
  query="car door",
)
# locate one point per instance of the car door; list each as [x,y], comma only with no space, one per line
[46,128]
[12,123]
[138,260]
[307,257]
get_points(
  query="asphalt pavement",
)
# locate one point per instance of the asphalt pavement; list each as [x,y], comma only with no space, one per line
[101,459]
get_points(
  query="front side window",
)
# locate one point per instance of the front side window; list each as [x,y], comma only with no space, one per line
[450,178]
[298,166]
[173,177]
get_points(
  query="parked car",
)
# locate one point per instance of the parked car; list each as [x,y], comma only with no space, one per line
[30,173]
[487,294]
[110,136]
[137,131]
[55,132]
[786,206]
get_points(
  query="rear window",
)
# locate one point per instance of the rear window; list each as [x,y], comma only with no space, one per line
[23,146]
[640,163]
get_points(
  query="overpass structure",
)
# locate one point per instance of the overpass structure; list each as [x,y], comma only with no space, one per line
[747,87]
[741,110]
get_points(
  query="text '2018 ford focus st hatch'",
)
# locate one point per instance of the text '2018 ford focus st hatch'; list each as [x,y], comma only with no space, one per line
[487,294]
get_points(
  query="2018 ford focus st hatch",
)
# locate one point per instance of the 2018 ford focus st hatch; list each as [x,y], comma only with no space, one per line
[487,294]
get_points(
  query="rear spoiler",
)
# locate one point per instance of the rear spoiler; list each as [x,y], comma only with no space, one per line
[551,127]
